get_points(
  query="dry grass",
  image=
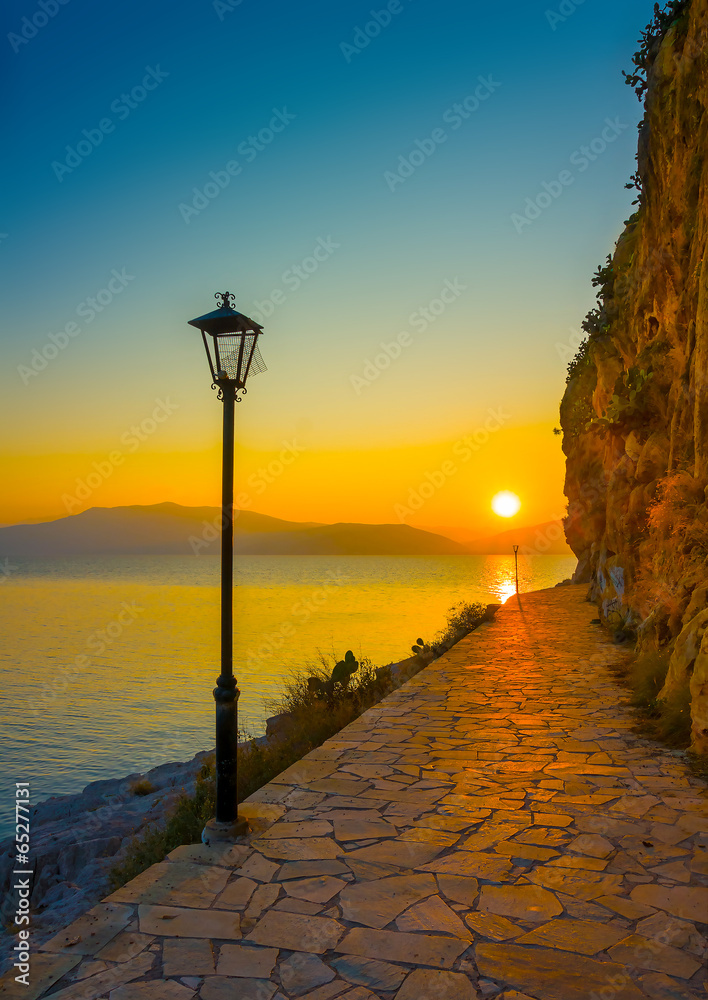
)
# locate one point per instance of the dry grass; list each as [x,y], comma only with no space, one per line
[667,720]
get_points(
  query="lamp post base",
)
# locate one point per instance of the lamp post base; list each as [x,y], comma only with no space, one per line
[224,833]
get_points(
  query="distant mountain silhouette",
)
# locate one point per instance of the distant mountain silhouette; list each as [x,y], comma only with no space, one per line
[170,529]
[539,539]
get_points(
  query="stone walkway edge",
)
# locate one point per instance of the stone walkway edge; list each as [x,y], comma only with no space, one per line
[493,828]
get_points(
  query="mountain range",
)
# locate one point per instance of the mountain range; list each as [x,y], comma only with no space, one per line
[171,529]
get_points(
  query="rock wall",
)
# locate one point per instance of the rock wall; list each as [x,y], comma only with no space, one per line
[635,412]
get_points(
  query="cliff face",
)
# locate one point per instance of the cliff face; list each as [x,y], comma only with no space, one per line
[635,412]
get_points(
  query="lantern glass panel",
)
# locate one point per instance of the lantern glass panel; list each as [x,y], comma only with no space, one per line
[239,356]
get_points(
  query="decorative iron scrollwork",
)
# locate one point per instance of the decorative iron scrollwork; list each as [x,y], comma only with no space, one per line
[227,299]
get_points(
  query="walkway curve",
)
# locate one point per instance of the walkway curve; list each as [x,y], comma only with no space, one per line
[492,829]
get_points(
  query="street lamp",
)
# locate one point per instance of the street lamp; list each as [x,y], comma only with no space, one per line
[231,343]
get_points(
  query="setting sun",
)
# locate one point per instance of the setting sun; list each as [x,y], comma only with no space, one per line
[506,504]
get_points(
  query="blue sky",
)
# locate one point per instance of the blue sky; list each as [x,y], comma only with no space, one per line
[220,72]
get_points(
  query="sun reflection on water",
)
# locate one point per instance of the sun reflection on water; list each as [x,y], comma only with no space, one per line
[505,589]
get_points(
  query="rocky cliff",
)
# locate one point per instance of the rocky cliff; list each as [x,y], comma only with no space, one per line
[635,412]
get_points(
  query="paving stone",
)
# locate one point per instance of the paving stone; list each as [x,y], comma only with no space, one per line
[660,987]
[157,989]
[549,974]
[689,902]
[586,937]
[369,972]
[187,957]
[311,869]
[303,849]
[328,991]
[458,888]
[259,868]
[423,835]
[125,946]
[422,984]
[377,903]
[311,828]
[176,883]
[628,908]
[246,961]
[363,829]
[433,914]
[223,988]
[582,885]
[173,921]
[395,852]
[119,975]
[453,824]
[512,849]
[471,864]
[490,925]
[648,953]
[592,844]
[393,946]
[295,932]
[264,896]
[301,972]
[292,905]
[237,893]
[552,819]
[677,933]
[317,890]
[227,855]
[580,864]
[525,902]
[92,931]
[90,967]
[46,970]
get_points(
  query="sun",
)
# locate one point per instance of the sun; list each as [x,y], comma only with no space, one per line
[506,504]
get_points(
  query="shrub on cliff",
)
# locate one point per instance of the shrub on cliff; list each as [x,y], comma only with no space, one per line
[664,18]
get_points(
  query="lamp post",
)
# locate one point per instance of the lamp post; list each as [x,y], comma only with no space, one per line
[516,563]
[231,344]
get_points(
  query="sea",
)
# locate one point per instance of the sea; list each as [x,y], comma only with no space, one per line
[108,663]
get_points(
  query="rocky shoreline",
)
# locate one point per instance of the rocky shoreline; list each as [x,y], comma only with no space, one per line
[77,839]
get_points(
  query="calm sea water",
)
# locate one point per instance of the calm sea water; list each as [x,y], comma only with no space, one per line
[108,664]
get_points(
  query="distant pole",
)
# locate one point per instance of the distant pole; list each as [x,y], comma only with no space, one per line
[516,561]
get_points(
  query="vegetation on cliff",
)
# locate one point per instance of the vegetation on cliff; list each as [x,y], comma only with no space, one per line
[635,410]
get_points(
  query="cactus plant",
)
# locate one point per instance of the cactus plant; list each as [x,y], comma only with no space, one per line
[341,674]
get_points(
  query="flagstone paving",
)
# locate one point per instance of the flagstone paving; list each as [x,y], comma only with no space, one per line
[492,829]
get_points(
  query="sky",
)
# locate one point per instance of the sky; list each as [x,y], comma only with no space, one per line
[411,198]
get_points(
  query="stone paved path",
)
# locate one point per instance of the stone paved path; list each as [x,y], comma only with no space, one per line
[493,829]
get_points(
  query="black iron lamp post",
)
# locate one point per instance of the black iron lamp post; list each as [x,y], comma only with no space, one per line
[231,343]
